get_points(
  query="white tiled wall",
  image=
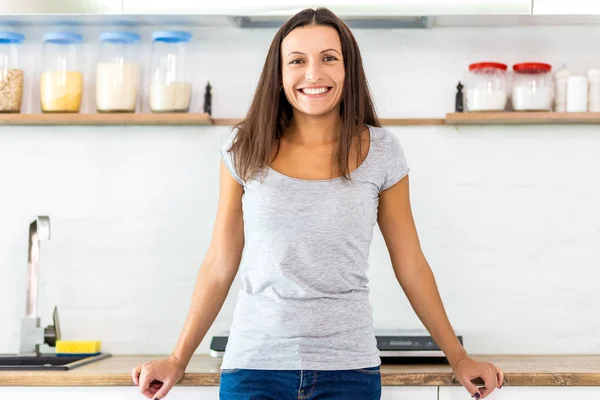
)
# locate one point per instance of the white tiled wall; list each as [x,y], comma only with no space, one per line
[508,216]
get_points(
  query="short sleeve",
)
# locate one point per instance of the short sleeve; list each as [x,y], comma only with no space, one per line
[227,156]
[394,162]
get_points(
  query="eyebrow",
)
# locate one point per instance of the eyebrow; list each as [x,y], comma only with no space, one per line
[297,52]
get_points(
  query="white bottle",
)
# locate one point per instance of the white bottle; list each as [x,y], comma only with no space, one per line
[593,76]
[560,84]
[577,94]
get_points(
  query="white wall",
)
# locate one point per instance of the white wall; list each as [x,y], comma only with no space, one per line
[508,216]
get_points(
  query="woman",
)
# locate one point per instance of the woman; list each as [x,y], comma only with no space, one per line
[304,178]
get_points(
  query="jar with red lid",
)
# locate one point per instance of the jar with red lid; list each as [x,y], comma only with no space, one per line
[533,87]
[487,88]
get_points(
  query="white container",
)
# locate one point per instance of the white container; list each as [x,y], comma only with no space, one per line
[171,84]
[118,72]
[577,94]
[560,86]
[593,76]
[593,93]
[533,87]
[486,87]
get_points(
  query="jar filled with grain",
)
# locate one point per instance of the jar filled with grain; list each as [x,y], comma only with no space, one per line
[61,82]
[11,75]
[118,72]
[171,83]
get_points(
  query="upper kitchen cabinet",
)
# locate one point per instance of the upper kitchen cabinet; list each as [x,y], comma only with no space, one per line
[109,7]
[566,7]
[284,8]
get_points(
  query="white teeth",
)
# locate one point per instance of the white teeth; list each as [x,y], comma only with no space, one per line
[315,90]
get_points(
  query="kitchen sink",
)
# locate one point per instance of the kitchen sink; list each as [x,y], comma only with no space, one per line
[32,334]
[47,362]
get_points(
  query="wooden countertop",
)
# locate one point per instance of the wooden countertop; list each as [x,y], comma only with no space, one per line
[204,370]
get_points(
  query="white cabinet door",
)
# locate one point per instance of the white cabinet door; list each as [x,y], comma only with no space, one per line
[222,7]
[61,7]
[566,7]
[409,393]
[527,393]
[103,393]
[177,393]
[342,7]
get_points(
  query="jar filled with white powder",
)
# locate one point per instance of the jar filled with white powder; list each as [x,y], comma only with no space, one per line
[118,72]
[533,87]
[170,82]
[486,87]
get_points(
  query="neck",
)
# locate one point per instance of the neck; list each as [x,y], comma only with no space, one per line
[311,130]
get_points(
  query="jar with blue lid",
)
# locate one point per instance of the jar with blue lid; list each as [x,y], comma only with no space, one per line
[61,82]
[170,82]
[11,72]
[118,72]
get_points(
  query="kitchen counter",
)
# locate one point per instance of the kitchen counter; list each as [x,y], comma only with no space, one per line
[204,370]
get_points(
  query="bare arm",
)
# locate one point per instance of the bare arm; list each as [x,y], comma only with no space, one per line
[411,268]
[218,269]
[412,271]
[156,378]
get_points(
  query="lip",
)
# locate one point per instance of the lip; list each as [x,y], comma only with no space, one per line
[315,87]
[315,96]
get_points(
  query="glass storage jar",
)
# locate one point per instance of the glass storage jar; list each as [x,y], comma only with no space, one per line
[118,72]
[171,84]
[61,82]
[487,88]
[11,73]
[533,87]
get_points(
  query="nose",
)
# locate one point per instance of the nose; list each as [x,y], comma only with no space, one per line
[313,71]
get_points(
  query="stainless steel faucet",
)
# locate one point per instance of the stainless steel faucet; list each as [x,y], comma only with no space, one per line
[32,335]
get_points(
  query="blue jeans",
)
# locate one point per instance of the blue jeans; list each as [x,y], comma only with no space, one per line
[249,384]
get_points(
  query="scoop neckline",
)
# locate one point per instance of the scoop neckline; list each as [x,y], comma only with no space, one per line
[369,127]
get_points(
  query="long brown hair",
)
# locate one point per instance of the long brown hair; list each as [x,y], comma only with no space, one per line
[270,113]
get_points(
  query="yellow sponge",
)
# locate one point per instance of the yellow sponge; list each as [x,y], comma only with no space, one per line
[77,346]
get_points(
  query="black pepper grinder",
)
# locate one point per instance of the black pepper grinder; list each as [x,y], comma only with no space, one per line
[208,99]
[458,106]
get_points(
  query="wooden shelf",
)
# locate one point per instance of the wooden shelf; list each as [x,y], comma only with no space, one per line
[466,118]
[157,119]
[520,117]
[384,121]
[106,119]
[412,121]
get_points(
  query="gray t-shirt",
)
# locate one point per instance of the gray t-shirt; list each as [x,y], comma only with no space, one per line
[304,304]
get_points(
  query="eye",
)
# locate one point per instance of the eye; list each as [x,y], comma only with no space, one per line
[296,61]
[330,58]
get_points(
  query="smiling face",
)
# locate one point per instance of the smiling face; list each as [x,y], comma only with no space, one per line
[313,70]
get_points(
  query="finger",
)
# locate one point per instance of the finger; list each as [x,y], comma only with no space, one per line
[162,393]
[490,380]
[154,387]
[472,389]
[149,393]
[145,381]
[485,392]
[135,375]
[500,375]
